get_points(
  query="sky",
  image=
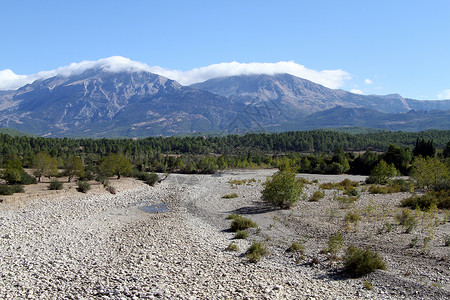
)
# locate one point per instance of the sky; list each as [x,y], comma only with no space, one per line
[370,47]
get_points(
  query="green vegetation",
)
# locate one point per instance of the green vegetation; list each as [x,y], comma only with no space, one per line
[241,234]
[74,167]
[359,262]
[316,196]
[241,223]
[352,217]
[382,173]
[230,196]
[335,243]
[149,178]
[407,220]
[431,173]
[55,185]
[295,247]
[10,189]
[255,252]
[282,189]
[83,186]
[232,247]
[440,199]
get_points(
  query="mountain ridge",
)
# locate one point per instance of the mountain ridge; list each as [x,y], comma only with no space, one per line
[102,103]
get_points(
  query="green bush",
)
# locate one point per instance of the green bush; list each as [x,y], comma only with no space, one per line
[316,196]
[295,247]
[359,262]
[241,234]
[83,186]
[148,178]
[10,189]
[327,186]
[27,178]
[55,185]
[231,216]
[352,217]
[230,196]
[406,220]
[232,247]
[242,223]
[283,189]
[335,243]
[441,199]
[255,252]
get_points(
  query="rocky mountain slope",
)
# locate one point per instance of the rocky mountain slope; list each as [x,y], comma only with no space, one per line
[101,103]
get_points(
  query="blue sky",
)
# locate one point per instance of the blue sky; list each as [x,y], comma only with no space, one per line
[381,47]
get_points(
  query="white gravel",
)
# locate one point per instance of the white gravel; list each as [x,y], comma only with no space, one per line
[103,246]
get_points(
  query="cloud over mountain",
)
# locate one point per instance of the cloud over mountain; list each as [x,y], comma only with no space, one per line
[329,78]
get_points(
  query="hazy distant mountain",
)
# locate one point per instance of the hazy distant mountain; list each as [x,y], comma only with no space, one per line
[303,97]
[100,103]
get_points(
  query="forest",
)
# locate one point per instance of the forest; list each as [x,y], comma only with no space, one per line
[317,151]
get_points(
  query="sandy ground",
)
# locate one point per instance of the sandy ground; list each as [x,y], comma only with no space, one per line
[69,245]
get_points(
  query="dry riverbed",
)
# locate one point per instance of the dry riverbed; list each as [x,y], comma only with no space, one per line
[69,245]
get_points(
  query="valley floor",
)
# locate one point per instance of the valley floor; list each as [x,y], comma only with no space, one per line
[70,245]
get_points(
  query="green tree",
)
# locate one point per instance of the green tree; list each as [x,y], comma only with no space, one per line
[74,167]
[115,164]
[382,173]
[431,173]
[12,170]
[44,165]
[282,189]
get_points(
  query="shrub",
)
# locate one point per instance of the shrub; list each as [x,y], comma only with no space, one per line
[242,223]
[295,247]
[406,220]
[335,243]
[351,192]
[10,189]
[241,234]
[255,252]
[316,196]
[282,189]
[55,185]
[352,217]
[231,216]
[327,186]
[230,196]
[359,262]
[148,178]
[232,247]
[441,199]
[367,285]
[83,186]
[27,178]
[346,201]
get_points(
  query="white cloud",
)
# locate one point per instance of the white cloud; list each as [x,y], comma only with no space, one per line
[329,78]
[444,95]
[368,81]
[356,91]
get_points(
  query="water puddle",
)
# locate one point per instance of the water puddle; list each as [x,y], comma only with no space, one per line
[155,208]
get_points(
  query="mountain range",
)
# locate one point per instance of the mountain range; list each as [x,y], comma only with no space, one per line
[99,103]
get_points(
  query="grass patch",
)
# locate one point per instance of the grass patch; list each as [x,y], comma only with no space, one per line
[406,220]
[241,223]
[232,216]
[359,262]
[327,186]
[255,252]
[346,201]
[232,247]
[241,235]
[295,247]
[316,196]
[352,217]
[230,196]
